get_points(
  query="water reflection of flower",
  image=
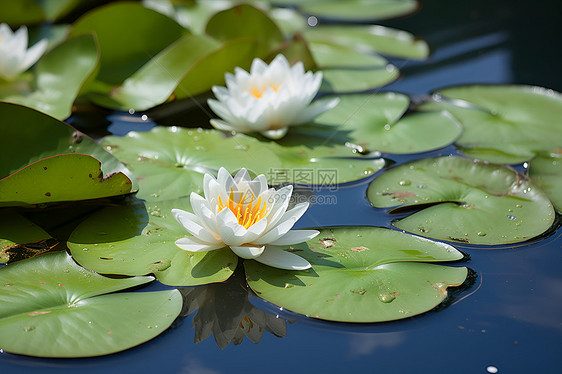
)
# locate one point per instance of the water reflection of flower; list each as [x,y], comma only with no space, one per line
[247,216]
[15,58]
[223,309]
[269,99]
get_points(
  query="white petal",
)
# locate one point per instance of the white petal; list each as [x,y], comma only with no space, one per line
[33,54]
[231,232]
[315,109]
[224,126]
[242,175]
[281,259]
[191,245]
[295,237]
[275,134]
[248,252]
[193,225]
[276,232]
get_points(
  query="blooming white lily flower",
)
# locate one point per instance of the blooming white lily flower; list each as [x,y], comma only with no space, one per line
[247,216]
[269,99]
[15,58]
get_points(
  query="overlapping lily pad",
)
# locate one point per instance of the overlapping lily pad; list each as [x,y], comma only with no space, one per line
[34,11]
[506,124]
[16,230]
[49,291]
[361,274]
[138,239]
[48,161]
[170,162]
[464,201]
[378,122]
[546,172]
[57,78]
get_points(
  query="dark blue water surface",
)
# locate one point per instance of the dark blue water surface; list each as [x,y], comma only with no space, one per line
[508,318]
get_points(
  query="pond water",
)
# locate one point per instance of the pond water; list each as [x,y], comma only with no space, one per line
[507,319]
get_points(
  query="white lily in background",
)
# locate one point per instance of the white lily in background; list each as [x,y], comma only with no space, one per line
[15,58]
[269,99]
[247,216]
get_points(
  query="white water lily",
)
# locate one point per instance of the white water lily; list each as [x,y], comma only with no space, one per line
[248,217]
[15,58]
[269,99]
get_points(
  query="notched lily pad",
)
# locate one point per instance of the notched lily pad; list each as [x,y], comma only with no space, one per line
[57,163]
[546,172]
[464,201]
[49,291]
[504,124]
[361,274]
[138,239]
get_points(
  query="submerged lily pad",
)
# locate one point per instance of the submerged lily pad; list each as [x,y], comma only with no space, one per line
[361,274]
[138,239]
[48,161]
[44,293]
[546,172]
[57,79]
[464,201]
[505,124]
[377,122]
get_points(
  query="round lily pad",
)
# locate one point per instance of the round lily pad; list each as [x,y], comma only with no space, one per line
[504,124]
[49,291]
[377,122]
[464,201]
[138,239]
[546,172]
[361,274]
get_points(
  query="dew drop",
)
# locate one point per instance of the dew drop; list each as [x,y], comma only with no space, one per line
[519,206]
[421,186]
[492,369]
[368,171]
[510,210]
[387,127]
[85,249]
[200,148]
[144,117]
[28,328]
[405,182]
[480,233]
[386,298]
[511,217]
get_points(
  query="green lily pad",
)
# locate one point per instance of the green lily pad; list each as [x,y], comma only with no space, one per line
[546,172]
[361,274]
[170,162]
[15,230]
[504,124]
[377,122]
[463,200]
[129,35]
[44,293]
[246,21]
[353,10]
[34,11]
[41,150]
[353,80]
[58,77]
[328,55]
[138,239]
[371,39]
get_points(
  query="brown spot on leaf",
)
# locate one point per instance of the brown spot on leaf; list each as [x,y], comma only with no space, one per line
[38,312]
[403,194]
[328,242]
[358,249]
[47,194]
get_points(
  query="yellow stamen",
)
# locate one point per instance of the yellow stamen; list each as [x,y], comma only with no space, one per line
[258,92]
[247,213]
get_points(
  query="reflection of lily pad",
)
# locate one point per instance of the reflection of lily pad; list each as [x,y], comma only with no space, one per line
[42,151]
[546,172]
[136,239]
[464,201]
[361,274]
[44,293]
[505,124]
[58,77]
[377,123]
